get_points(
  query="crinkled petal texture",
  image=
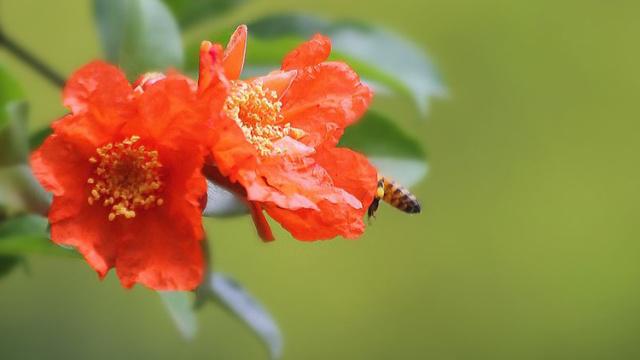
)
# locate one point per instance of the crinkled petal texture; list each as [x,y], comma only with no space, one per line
[350,173]
[310,53]
[313,189]
[323,100]
[160,246]
[325,97]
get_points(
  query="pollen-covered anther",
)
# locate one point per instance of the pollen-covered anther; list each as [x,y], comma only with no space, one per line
[126,178]
[257,112]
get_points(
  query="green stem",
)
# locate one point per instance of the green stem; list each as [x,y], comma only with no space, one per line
[204,288]
[31,60]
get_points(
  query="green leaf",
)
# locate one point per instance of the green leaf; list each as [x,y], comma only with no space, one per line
[37,137]
[139,35]
[379,56]
[13,122]
[240,303]
[9,88]
[20,192]
[395,153]
[377,135]
[8,263]
[180,306]
[28,234]
[191,12]
[222,202]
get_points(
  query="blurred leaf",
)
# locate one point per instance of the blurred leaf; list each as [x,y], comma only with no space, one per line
[14,144]
[377,135]
[390,149]
[139,35]
[13,122]
[37,137]
[240,303]
[28,234]
[191,12]
[222,202]
[8,263]
[20,192]
[180,307]
[9,88]
[377,55]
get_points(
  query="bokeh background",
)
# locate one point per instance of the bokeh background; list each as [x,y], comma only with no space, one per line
[527,247]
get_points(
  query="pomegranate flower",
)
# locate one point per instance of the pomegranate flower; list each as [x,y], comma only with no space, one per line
[277,138]
[125,172]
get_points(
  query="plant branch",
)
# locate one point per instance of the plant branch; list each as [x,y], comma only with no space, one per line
[26,57]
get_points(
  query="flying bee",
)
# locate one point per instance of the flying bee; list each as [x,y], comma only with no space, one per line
[395,195]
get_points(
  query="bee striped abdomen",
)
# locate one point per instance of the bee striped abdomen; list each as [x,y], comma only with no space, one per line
[400,197]
[395,195]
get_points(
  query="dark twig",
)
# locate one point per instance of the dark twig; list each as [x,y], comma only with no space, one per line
[29,59]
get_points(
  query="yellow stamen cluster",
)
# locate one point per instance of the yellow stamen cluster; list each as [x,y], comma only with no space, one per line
[126,178]
[258,113]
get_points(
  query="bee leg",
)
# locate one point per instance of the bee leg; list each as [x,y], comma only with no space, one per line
[371,212]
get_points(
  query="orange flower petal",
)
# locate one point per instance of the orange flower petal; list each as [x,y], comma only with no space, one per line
[85,132]
[157,240]
[329,221]
[161,254]
[234,54]
[295,183]
[262,225]
[230,150]
[89,232]
[350,172]
[259,190]
[61,170]
[145,80]
[301,183]
[187,185]
[309,53]
[325,99]
[360,180]
[162,247]
[96,84]
[278,81]
[59,166]
[98,96]
[168,112]
[211,72]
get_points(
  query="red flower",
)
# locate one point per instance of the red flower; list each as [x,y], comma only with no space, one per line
[125,172]
[279,133]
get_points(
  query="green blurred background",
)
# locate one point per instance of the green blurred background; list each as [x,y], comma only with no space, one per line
[527,247]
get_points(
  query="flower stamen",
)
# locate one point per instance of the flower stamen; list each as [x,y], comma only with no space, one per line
[257,112]
[126,178]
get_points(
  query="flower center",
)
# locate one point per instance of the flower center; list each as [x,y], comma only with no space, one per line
[258,113]
[126,178]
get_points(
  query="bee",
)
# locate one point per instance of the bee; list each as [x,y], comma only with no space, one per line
[395,195]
